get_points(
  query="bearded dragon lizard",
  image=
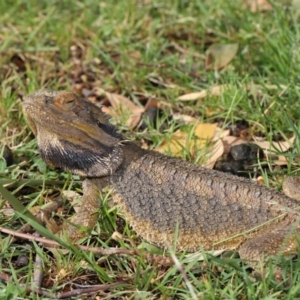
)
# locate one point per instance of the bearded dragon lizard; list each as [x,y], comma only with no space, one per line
[159,195]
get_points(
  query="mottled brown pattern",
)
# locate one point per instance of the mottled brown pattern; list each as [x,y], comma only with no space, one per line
[207,209]
[156,193]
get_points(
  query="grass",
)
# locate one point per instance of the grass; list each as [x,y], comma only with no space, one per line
[122,47]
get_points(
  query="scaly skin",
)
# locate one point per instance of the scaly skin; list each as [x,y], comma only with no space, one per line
[159,195]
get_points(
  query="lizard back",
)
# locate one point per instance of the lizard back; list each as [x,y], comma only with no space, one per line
[158,193]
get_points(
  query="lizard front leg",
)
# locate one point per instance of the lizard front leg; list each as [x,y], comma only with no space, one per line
[89,210]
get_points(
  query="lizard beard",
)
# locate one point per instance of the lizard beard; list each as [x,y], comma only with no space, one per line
[82,160]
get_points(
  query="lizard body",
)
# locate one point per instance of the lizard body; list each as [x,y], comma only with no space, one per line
[157,193]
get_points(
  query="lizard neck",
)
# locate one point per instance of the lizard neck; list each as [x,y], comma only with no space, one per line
[132,152]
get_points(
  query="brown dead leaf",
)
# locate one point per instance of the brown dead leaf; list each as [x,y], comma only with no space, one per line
[205,132]
[280,161]
[120,104]
[175,144]
[185,119]
[253,88]
[212,91]
[217,90]
[134,118]
[217,151]
[221,133]
[272,147]
[268,148]
[180,140]
[257,5]
[117,101]
[219,56]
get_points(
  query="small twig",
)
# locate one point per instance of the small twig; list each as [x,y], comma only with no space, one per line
[73,293]
[48,242]
[32,50]
[47,209]
[92,289]
[38,272]
[188,51]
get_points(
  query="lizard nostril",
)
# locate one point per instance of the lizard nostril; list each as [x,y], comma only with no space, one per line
[48,99]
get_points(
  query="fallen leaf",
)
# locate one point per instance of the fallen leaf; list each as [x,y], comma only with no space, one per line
[117,101]
[273,147]
[120,104]
[280,161]
[253,88]
[221,133]
[218,148]
[212,91]
[257,5]
[205,131]
[181,140]
[270,149]
[134,119]
[185,119]
[219,56]
[175,144]
[217,151]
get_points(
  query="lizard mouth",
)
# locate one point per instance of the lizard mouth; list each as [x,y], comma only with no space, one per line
[27,108]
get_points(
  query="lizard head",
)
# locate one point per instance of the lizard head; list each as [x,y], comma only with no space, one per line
[73,134]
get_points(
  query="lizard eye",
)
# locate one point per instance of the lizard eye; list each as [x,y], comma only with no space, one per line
[69,103]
